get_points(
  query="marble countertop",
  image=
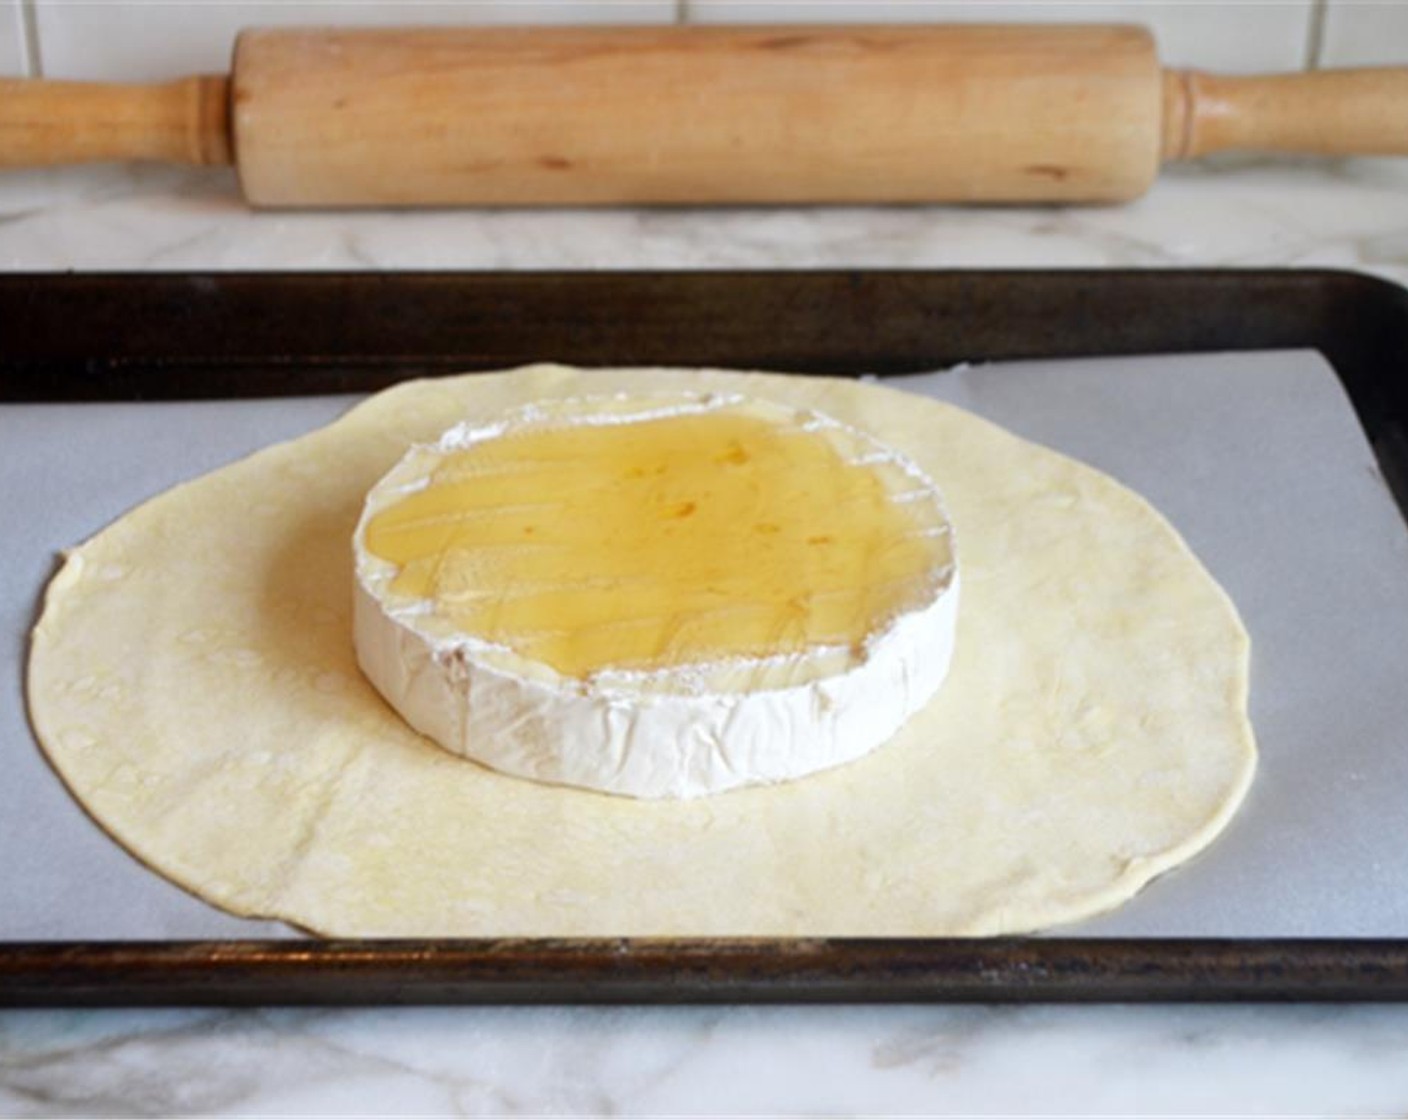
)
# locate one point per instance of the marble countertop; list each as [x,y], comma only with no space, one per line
[1237,212]
[1183,1059]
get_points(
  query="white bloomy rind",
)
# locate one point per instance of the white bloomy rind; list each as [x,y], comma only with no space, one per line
[673,733]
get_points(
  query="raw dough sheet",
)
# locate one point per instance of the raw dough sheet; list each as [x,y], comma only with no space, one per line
[1257,459]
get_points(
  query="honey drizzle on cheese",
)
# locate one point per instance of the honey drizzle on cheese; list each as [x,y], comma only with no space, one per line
[664,540]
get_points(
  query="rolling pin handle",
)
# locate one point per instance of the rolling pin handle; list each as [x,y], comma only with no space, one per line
[1323,112]
[44,123]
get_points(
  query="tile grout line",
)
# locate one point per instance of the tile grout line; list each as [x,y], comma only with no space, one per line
[1315,34]
[29,25]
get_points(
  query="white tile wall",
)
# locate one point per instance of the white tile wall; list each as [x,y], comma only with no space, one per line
[147,40]
[1233,36]
[137,40]
[12,50]
[1358,33]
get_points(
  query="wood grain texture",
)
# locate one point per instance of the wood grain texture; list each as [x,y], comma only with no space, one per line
[716,115]
[1326,112]
[684,115]
[44,123]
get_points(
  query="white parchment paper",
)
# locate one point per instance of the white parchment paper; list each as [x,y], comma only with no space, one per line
[1256,458]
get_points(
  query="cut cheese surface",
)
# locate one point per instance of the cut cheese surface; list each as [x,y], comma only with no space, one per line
[711,531]
[193,682]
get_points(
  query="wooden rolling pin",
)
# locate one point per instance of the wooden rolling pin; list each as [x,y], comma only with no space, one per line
[699,115]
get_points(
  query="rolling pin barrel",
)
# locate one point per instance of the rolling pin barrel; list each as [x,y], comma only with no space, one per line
[683,115]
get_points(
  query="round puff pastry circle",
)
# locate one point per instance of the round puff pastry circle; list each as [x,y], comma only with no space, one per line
[193,680]
[681,731]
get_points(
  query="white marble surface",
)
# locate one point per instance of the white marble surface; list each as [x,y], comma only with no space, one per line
[494,1061]
[1238,212]
[753,1061]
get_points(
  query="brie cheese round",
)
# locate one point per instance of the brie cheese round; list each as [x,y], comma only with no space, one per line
[657,596]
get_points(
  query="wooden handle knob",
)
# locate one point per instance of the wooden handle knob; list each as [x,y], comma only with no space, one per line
[43,123]
[1328,112]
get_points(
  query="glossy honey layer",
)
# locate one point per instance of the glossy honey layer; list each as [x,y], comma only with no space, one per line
[663,542]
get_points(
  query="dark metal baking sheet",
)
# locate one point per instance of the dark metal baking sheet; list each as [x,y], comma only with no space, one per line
[112,337]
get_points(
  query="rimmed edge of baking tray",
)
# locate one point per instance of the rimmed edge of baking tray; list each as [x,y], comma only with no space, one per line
[149,336]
